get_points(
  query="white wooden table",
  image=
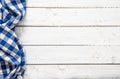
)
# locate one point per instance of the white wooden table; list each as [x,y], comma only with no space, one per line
[71,39]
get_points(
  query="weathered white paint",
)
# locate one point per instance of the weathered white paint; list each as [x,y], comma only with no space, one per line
[67,42]
[72,54]
[72,17]
[73,3]
[69,36]
[73,72]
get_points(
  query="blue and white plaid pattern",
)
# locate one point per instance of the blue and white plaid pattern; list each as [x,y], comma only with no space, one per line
[12,61]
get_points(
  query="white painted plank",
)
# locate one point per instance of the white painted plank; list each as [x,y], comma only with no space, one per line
[72,54]
[71,17]
[73,3]
[69,36]
[73,72]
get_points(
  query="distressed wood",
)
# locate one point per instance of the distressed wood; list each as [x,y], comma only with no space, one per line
[70,40]
[73,3]
[73,72]
[72,54]
[69,36]
[72,17]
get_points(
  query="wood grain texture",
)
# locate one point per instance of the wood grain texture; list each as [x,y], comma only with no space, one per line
[73,72]
[72,54]
[73,3]
[81,35]
[69,36]
[72,17]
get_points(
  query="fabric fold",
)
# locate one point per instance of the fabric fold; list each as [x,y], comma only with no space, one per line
[12,58]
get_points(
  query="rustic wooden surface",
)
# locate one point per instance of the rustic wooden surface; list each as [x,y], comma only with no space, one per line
[71,39]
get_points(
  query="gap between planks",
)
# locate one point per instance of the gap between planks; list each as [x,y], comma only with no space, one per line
[77,64]
[72,3]
[71,26]
[73,7]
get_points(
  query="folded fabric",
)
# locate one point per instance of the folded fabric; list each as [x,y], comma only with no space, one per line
[12,58]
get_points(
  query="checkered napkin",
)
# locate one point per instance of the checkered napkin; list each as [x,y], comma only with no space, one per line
[12,62]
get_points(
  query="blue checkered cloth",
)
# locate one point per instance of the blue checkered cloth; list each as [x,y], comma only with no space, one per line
[12,58]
